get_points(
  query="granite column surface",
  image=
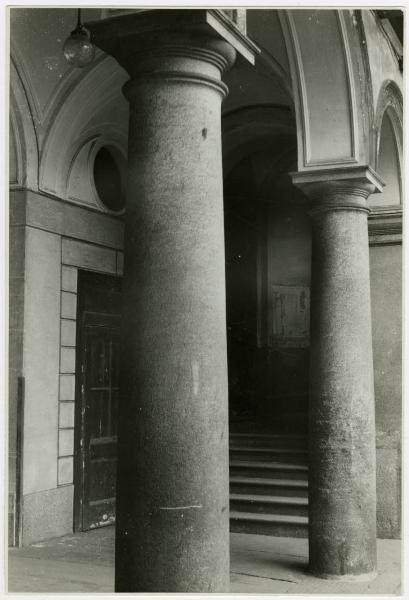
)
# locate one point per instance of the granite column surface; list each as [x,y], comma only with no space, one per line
[172,532]
[342,490]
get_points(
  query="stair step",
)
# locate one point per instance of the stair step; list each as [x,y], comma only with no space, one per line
[263,503]
[290,519]
[269,483]
[270,499]
[256,449]
[262,464]
[267,439]
[268,486]
[279,525]
[292,455]
[261,468]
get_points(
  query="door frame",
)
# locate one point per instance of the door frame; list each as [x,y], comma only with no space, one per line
[79,422]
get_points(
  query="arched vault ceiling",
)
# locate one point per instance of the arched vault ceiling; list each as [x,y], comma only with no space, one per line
[264,27]
[73,105]
[95,108]
[383,63]
[37,37]
[256,85]
[325,64]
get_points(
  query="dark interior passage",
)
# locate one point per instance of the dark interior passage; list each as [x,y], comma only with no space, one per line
[268,266]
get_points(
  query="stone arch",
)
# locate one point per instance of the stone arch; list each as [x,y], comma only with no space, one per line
[263,211]
[23,137]
[331,105]
[387,142]
[94,109]
[255,127]
[390,103]
[15,154]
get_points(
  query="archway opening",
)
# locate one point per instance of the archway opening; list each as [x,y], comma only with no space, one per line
[268,256]
[268,270]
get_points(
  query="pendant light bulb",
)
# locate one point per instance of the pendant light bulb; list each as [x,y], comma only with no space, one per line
[78,49]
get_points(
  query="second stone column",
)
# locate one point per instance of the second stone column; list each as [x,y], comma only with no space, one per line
[342,491]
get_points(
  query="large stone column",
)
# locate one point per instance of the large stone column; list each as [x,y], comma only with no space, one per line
[172,532]
[342,492]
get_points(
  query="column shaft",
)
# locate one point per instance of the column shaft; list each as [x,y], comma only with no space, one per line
[172,495]
[342,493]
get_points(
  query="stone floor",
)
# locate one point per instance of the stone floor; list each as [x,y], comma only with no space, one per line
[259,565]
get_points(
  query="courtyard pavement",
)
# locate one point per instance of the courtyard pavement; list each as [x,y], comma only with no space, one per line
[84,563]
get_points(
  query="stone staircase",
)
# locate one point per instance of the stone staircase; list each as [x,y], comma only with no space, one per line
[269,484]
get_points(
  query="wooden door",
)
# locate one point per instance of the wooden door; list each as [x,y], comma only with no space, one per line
[97,402]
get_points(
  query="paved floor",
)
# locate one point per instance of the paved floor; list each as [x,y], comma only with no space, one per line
[259,565]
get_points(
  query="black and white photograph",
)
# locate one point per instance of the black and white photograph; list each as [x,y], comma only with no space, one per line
[204,299]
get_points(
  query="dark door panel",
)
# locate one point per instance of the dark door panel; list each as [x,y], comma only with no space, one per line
[97,400]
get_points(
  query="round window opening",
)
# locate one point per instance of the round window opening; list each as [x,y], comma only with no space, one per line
[108,180]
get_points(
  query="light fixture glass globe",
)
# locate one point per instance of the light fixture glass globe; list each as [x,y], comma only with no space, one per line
[78,49]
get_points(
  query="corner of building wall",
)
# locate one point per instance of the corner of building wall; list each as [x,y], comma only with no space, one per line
[16,300]
[17,206]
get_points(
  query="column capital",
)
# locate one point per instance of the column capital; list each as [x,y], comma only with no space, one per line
[338,189]
[142,39]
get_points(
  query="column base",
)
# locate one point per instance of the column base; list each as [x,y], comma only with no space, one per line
[362,578]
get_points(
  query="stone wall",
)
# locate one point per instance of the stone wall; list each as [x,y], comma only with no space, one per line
[386,293]
[47,248]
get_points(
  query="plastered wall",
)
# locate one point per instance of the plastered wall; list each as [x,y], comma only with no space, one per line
[46,251]
[386,294]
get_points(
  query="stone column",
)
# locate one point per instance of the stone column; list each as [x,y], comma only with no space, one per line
[342,492]
[172,532]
